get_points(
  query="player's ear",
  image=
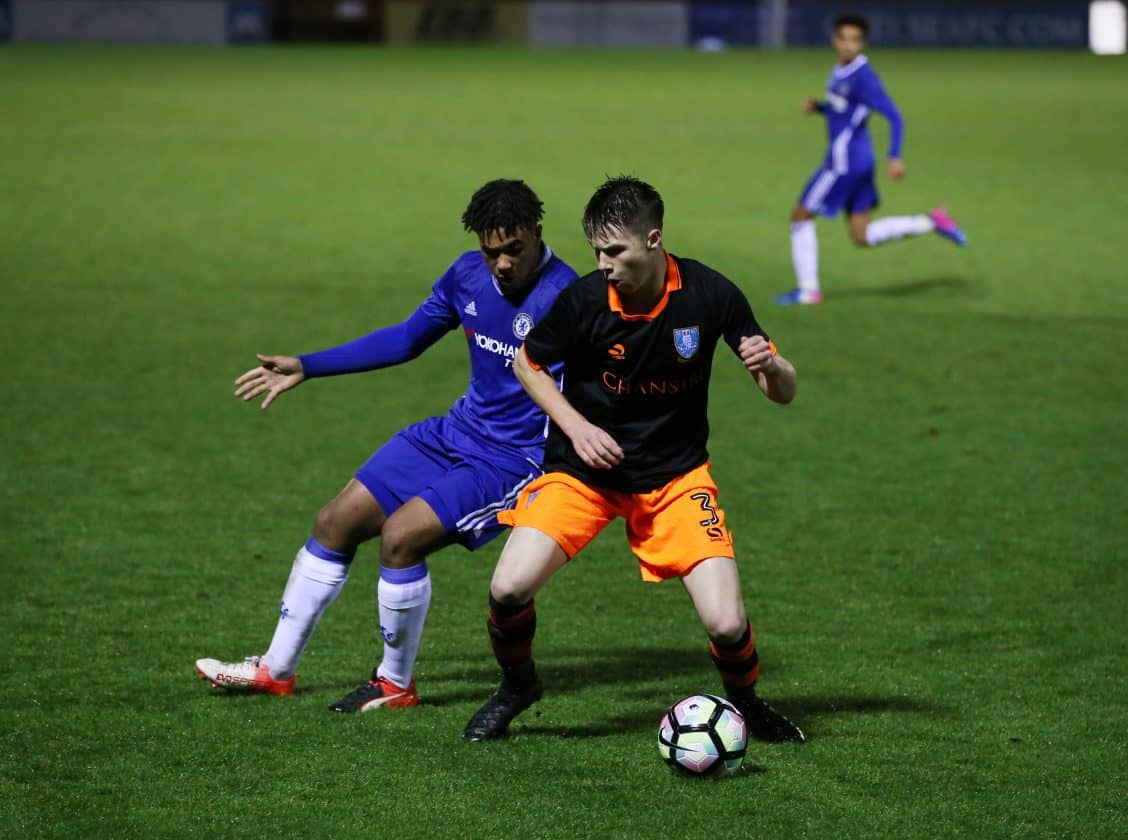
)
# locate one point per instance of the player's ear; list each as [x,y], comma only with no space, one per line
[537,230]
[653,239]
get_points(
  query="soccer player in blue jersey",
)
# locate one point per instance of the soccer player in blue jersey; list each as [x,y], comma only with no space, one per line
[845,180]
[437,482]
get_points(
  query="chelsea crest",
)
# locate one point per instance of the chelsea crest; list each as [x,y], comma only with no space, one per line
[522,324]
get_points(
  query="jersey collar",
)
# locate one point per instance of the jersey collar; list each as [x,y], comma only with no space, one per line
[842,71]
[673,283]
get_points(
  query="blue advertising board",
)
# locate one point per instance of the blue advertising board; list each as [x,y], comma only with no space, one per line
[724,23]
[5,21]
[982,25]
[247,22]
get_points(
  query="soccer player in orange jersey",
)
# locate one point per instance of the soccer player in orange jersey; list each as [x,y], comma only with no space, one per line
[628,438]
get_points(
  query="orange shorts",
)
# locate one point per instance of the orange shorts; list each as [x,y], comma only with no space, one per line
[670,529]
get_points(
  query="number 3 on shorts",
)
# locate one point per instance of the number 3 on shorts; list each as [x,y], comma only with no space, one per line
[706,505]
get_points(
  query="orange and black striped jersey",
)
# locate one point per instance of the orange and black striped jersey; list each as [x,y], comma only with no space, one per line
[642,378]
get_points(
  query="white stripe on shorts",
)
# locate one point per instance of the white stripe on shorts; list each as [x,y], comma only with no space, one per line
[480,517]
[819,190]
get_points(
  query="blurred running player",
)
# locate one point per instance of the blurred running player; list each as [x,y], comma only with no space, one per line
[438,482]
[628,438]
[845,181]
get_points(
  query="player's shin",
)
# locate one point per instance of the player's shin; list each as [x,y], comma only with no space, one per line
[897,227]
[511,628]
[737,662]
[317,576]
[805,255]
[404,596]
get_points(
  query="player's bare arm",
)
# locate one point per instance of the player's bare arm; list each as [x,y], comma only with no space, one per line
[774,375]
[595,446]
[275,375]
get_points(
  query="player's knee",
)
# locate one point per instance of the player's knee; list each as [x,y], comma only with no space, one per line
[332,531]
[800,214]
[727,627]
[510,589]
[398,545]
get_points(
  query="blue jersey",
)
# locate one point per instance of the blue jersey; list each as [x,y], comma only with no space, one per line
[495,408]
[495,405]
[852,92]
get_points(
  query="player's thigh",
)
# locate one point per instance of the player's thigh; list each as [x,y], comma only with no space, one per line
[407,463]
[714,587]
[411,533]
[350,519]
[856,224]
[554,518]
[529,558]
[819,196]
[468,496]
[675,527]
[859,202]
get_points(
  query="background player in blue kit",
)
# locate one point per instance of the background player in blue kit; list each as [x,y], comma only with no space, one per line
[440,481]
[845,181]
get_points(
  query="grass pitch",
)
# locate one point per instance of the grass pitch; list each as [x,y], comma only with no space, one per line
[932,538]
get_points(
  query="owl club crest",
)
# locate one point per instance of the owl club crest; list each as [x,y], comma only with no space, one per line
[687,341]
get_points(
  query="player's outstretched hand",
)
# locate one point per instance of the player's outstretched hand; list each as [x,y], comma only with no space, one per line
[276,375]
[756,353]
[596,448]
[896,169]
[811,106]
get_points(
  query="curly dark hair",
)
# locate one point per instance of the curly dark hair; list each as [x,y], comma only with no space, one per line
[623,203]
[505,205]
[851,19]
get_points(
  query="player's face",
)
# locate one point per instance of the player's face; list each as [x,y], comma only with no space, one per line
[848,43]
[630,261]
[512,257]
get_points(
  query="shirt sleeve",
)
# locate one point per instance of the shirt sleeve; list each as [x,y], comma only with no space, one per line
[391,345]
[737,319]
[872,94]
[554,338]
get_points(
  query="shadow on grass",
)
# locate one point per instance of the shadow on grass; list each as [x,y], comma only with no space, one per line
[923,286]
[564,672]
[811,708]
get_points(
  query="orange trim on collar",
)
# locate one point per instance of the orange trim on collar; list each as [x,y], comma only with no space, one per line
[673,283]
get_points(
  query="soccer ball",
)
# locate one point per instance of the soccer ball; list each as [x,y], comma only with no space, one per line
[703,735]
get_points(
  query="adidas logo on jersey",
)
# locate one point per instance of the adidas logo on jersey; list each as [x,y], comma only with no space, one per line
[471,309]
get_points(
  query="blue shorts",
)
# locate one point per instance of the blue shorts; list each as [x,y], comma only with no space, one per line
[463,482]
[829,192]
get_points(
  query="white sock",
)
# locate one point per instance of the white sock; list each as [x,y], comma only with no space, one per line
[805,255]
[315,581]
[405,596]
[897,227]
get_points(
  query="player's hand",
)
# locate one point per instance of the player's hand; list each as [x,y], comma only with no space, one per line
[811,106]
[276,375]
[896,169]
[596,448]
[756,353]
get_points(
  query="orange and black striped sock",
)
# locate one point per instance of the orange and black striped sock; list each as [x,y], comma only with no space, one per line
[511,628]
[738,662]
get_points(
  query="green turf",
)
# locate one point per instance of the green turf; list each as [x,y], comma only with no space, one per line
[932,537]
